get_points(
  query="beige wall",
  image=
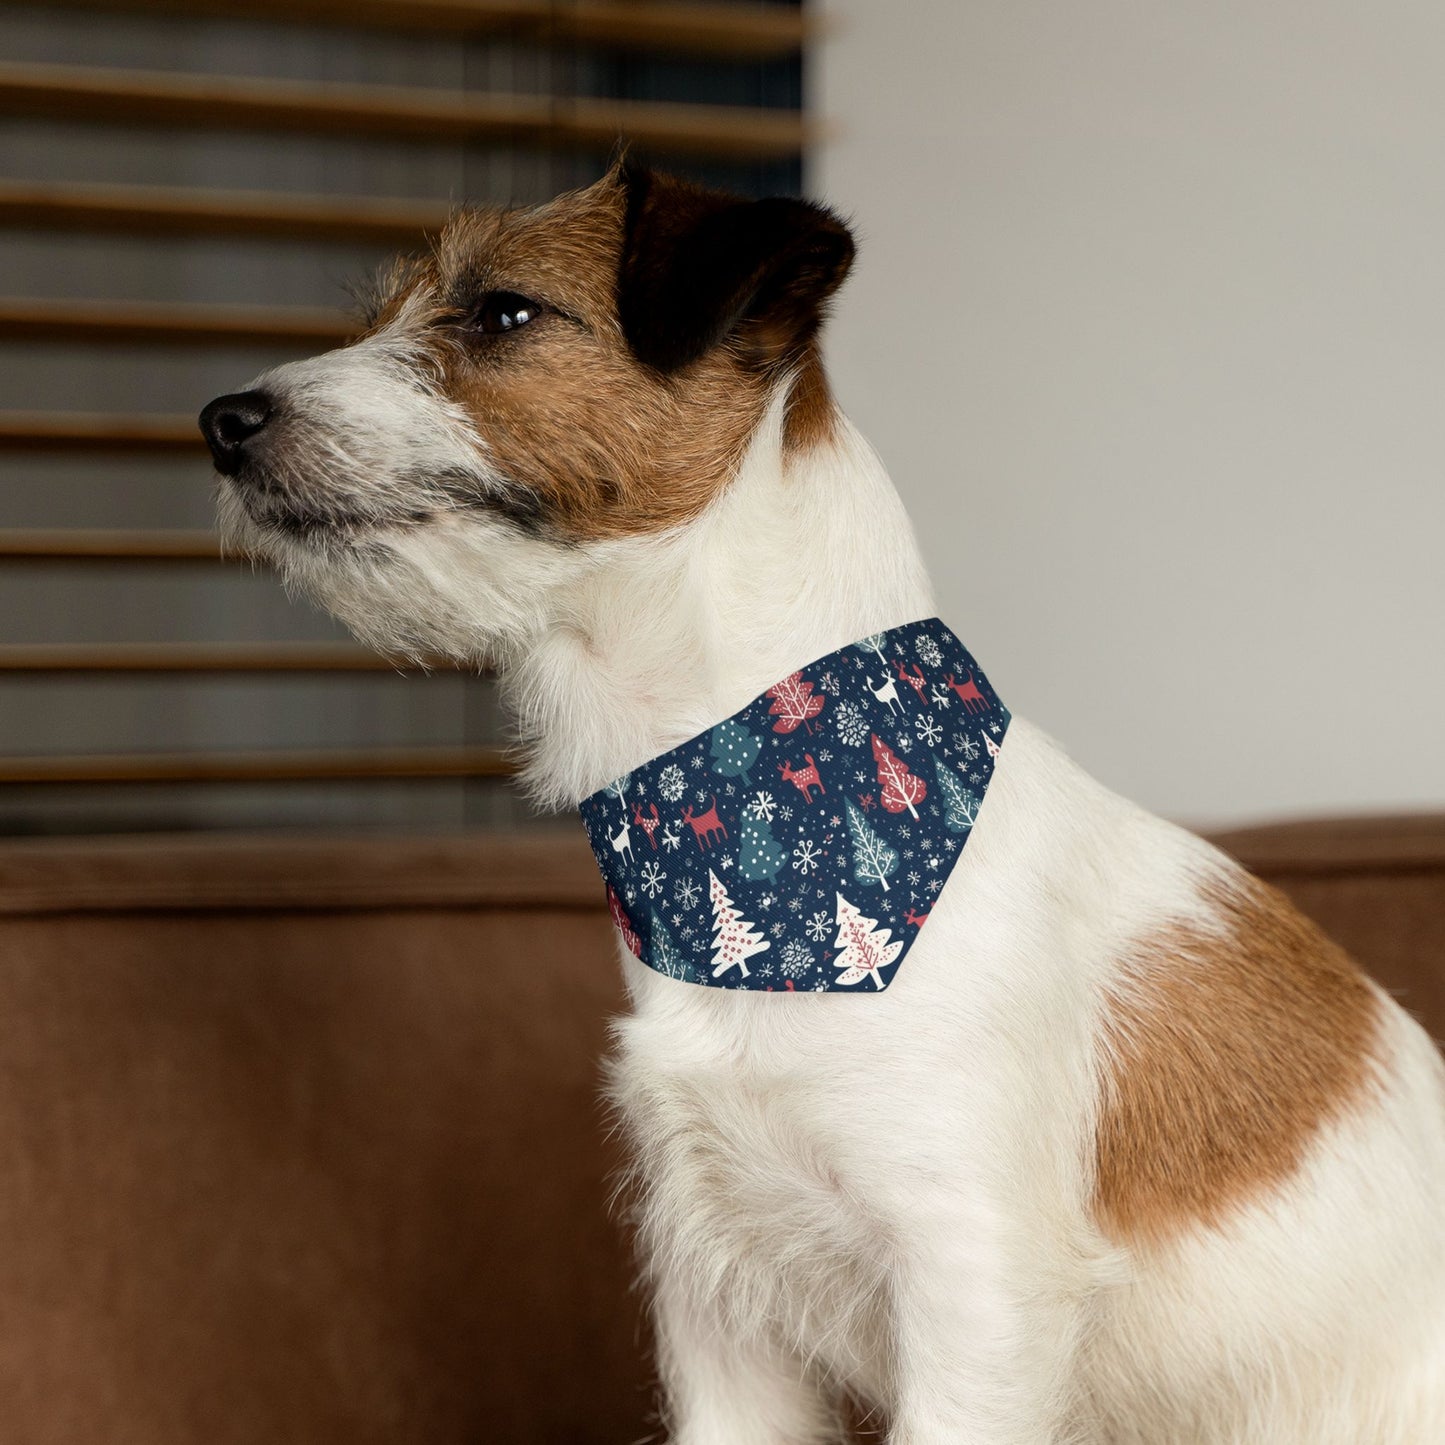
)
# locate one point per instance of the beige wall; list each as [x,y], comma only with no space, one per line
[1149,324]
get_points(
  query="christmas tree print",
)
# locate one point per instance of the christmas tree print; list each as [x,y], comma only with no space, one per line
[667,957]
[735,940]
[993,747]
[734,750]
[794,702]
[873,860]
[759,855]
[623,922]
[863,947]
[617,788]
[900,788]
[874,643]
[960,804]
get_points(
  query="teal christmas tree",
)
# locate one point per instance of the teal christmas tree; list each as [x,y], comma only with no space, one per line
[759,854]
[734,750]
[667,957]
[960,804]
[873,860]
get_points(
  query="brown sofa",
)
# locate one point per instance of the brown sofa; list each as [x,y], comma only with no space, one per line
[302,1140]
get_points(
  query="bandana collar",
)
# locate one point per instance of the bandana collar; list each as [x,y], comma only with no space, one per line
[800,844]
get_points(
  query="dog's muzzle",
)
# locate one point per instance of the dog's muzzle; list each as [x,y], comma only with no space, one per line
[230,423]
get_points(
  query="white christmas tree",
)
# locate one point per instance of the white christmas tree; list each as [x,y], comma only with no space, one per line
[863,947]
[734,938]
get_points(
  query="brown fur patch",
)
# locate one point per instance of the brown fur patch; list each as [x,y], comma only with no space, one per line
[596,442]
[1226,1053]
[812,415]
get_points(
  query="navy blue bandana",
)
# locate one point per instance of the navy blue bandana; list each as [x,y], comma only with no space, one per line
[799,845]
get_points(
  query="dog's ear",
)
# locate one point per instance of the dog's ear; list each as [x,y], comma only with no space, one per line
[700,266]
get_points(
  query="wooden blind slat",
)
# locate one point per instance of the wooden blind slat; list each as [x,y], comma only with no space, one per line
[84,544]
[172,211]
[77,431]
[271,766]
[219,102]
[709,28]
[187,657]
[171,323]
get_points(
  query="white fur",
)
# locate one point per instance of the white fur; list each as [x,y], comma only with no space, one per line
[890,1194]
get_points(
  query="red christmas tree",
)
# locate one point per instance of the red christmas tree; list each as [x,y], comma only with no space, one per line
[623,922]
[900,788]
[794,702]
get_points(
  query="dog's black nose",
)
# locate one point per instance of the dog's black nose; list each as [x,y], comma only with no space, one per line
[229,422]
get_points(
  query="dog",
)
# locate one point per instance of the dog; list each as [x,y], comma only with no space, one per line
[1129,1154]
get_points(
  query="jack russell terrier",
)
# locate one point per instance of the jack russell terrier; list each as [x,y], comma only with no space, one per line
[1097,1141]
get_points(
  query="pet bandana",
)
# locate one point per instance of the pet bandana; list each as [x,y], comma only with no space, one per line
[799,845]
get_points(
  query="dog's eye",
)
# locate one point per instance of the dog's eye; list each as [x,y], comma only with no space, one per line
[504,311]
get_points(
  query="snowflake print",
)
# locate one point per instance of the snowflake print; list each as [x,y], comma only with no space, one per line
[785,813]
[630,893]
[687,892]
[688,931]
[697,761]
[726,860]
[778,929]
[796,959]
[672,836]
[836,821]
[829,683]
[670,783]
[652,879]
[762,806]
[677,920]
[967,748]
[795,903]
[851,724]
[928,731]
[904,831]
[928,652]
[932,862]
[940,698]
[825,755]
[915,877]
[905,743]
[975,777]
[805,857]
[934,884]
[766,901]
[820,925]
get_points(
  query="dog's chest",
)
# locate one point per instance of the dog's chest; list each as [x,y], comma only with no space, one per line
[749,1182]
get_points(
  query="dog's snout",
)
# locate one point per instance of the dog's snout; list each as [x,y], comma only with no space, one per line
[229,422]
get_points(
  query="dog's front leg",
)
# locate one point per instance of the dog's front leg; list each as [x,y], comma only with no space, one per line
[985,1338]
[721,1387]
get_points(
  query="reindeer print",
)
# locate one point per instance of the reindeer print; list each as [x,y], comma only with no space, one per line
[705,825]
[803,779]
[648,825]
[968,694]
[887,693]
[914,679]
[622,841]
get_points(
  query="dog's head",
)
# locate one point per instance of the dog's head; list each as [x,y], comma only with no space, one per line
[544,383]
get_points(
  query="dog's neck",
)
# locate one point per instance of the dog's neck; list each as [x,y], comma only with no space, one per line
[664,636]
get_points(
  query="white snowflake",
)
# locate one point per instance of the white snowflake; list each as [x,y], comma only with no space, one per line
[670,783]
[778,929]
[928,653]
[905,743]
[904,831]
[829,683]
[851,724]
[825,755]
[766,901]
[796,959]
[914,876]
[805,857]
[785,812]
[672,836]
[928,731]
[940,698]
[630,893]
[698,761]
[762,807]
[819,926]
[932,862]
[726,860]
[652,879]
[686,891]
[966,746]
